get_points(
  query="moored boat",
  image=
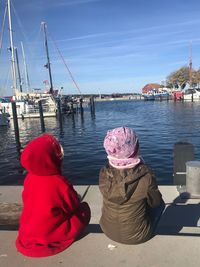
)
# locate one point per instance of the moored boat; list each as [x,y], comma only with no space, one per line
[27,105]
[192,95]
[157,95]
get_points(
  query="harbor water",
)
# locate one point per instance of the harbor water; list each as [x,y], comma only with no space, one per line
[159,126]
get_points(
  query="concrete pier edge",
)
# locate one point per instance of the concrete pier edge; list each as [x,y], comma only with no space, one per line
[177,242]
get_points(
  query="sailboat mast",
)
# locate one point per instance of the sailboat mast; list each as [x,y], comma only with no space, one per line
[25,69]
[18,70]
[190,66]
[48,65]
[12,50]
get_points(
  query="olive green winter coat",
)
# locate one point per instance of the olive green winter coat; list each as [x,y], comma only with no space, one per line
[127,196]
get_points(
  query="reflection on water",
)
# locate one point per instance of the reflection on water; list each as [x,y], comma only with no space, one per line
[158,124]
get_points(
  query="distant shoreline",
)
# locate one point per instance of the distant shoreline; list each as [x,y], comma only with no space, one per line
[119,98]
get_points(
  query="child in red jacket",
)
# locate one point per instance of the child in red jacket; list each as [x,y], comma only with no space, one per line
[53,216]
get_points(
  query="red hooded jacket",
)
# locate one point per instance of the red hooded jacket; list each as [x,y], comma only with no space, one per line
[52,216]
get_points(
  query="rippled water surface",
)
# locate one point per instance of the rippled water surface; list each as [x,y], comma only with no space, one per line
[158,124]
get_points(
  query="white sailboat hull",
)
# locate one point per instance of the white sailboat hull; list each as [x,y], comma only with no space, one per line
[192,97]
[28,106]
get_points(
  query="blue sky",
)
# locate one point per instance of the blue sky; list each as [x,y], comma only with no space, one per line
[110,46]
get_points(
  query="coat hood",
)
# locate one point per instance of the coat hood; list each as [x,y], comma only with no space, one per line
[122,146]
[42,156]
[119,185]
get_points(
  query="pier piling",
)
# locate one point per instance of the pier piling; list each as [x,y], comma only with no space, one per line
[92,105]
[60,115]
[193,179]
[81,108]
[72,108]
[183,152]
[41,116]
[16,127]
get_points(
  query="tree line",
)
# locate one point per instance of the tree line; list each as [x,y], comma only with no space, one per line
[183,76]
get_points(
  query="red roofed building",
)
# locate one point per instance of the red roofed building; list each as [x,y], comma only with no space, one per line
[149,87]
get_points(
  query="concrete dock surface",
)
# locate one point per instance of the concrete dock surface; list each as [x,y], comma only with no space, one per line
[177,242]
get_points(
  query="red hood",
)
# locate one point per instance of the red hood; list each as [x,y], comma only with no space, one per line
[42,156]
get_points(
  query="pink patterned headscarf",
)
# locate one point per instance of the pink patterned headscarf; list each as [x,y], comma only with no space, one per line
[122,145]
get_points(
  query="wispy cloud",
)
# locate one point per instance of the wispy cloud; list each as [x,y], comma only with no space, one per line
[74,2]
[161,30]
[42,5]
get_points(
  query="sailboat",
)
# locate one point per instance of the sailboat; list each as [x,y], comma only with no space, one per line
[191,94]
[27,102]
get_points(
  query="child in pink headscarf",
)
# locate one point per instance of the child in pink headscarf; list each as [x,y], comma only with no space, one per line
[132,203]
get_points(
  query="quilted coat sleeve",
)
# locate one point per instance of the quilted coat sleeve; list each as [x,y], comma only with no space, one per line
[154,196]
[103,182]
